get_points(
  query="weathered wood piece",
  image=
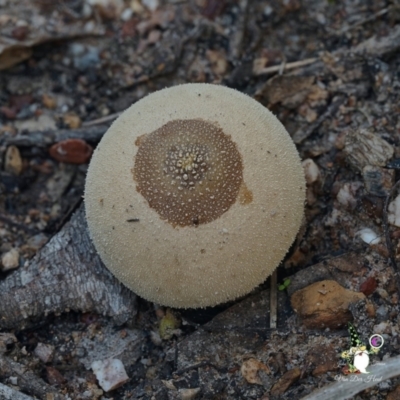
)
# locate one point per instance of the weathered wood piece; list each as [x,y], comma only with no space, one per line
[67,274]
[346,388]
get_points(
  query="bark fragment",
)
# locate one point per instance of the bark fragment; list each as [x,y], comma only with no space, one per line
[67,274]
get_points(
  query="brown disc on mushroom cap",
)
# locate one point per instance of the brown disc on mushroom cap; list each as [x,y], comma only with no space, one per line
[194,195]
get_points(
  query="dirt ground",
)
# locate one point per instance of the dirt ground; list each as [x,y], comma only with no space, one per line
[329,70]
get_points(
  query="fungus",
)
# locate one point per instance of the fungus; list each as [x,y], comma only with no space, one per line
[194,195]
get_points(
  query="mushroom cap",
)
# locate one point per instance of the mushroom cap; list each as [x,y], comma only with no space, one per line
[194,195]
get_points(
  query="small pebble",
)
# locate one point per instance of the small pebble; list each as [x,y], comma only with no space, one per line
[49,102]
[311,171]
[347,194]
[73,151]
[268,10]
[126,14]
[188,394]
[72,121]
[250,370]
[378,181]
[13,380]
[10,260]
[369,236]
[110,373]
[394,212]
[155,338]
[324,304]
[382,312]
[13,160]
[44,351]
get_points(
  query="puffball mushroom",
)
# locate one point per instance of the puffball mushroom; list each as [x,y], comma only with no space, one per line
[194,195]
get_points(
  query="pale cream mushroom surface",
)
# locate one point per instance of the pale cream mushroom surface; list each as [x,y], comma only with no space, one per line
[194,195]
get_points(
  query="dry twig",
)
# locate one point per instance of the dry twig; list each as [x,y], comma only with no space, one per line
[286,66]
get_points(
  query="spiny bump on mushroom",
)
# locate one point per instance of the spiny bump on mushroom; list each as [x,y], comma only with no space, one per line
[215,186]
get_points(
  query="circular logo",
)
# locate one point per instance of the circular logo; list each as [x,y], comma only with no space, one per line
[376,341]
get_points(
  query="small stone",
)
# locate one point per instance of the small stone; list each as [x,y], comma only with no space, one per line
[324,304]
[73,151]
[378,181]
[311,171]
[137,6]
[42,123]
[10,260]
[155,338]
[218,60]
[347,194]
[369,236]
[169,384]
[368,286]
[110,373]
[49,102]
[96,392]
[154,36]
[13,160]
[250,369]
[126,14]
[44,351]
[286,381]
[382,313]
[370,309]
[323,358]
[188,394]
[394,212]
[72,121]
[13,380]
[383,293]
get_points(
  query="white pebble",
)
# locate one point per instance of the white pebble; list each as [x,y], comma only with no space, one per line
[126,14]
[311,171]
[394,212]
[369,236]
[110,373]
[13,380]
[347,192]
